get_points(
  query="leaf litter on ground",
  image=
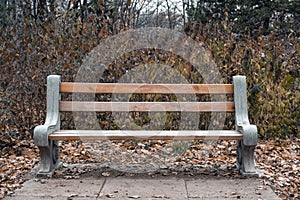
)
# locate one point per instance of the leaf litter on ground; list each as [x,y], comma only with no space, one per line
[280,158]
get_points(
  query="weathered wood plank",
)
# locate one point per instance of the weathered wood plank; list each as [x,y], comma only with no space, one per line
[147,106]
[144,134]
[126,88]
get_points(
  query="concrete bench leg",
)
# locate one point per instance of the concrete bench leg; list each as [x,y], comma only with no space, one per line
[245,160]
[49,159]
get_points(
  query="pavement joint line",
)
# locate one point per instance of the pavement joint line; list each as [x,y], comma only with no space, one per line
[104,182]
[186,189]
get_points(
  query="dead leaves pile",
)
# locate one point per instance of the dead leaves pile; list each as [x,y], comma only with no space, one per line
[15,163]
[279,158]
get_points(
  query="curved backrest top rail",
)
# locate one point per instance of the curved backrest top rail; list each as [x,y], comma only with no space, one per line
[141,88]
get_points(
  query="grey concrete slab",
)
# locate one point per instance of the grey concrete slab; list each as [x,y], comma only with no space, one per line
[59,189]
[143,187]
[214,188]
[48,198]
[130,188]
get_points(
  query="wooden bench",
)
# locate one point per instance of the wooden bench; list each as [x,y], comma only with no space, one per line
[46,136]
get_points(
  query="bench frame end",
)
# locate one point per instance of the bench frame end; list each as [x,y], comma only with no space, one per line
[246,146]
[49,149]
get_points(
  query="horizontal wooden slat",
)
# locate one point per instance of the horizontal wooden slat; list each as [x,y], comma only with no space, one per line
[147,106]
[126,88]
[143,134]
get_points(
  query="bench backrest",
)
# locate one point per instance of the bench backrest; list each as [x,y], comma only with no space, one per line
[121,88]
[238,89]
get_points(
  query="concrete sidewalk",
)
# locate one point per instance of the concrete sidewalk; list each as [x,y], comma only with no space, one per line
[144,188]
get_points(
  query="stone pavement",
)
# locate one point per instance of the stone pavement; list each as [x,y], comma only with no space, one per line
[170,187]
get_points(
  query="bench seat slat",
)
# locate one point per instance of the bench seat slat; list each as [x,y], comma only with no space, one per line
[145,134]
[135,88]
[147,106]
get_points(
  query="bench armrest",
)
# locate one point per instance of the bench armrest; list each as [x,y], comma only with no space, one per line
[41,134]
[52,122]
[249,132]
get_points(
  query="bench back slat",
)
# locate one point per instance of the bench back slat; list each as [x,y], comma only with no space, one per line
[135,88]
[147,106]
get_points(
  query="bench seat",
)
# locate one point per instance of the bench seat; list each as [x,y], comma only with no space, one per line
[145,134]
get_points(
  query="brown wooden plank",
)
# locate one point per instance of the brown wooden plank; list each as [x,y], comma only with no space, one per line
[123,88]
[143,134]
[147,106]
